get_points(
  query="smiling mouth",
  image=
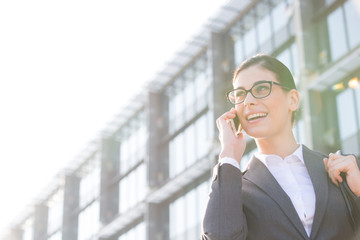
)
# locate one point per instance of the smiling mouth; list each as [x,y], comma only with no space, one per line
[256,116]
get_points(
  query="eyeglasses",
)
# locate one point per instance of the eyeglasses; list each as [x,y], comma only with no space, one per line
[260,89]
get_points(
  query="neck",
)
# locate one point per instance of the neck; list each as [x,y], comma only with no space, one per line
[280,145]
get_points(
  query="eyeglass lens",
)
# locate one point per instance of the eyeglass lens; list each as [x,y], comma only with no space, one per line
[259,90]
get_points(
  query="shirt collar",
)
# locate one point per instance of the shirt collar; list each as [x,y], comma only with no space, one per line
[298,153]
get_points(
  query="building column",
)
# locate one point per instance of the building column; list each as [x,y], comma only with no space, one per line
[157,221]
[71,207]
[223,65]
[16,233]
[109,191]
[305,34]
[324,118]
[158,152]
[157,214]
[40,222]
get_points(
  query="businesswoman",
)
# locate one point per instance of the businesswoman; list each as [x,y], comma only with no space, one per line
[287,191]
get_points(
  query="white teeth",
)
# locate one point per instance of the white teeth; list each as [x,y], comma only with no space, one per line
[256,115]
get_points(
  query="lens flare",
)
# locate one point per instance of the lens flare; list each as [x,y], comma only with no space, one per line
[354,83]
[338,86]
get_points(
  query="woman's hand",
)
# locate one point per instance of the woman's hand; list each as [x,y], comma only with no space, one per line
[232,145]
[337,164]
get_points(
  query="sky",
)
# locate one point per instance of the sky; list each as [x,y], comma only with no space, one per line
[66,69]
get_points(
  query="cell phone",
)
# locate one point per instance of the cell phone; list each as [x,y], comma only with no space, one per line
[235,125]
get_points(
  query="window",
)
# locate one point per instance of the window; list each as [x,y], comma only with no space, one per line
[352,14]
[238,50]
[90,181]
[28,229]
[176,155]
[136,233]
[299,131]
[268,23]
[186,213]
[250,42]
[279,15]
[202,86]
[133,188]
[343,31]
[176,104]
[264,23]
[190,140]
[89,222]
[133,140]
[295,62]
[337,36]
[190,145]
[188,94]
[55,217]
[289,58]
[348,110]
[56,236]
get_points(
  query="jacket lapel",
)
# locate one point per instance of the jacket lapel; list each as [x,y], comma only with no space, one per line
[319,177]
[271,187]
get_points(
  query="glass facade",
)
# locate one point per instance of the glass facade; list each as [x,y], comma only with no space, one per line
[260,28]
[133,140]
[188,94]
[190,145]
[133,188]
[189,97]
[133,182]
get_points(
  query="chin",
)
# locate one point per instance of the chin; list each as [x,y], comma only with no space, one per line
[256,134]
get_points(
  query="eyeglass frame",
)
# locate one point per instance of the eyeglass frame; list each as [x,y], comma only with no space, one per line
[250,90]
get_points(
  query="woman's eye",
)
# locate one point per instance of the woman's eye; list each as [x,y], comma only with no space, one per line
[262,88]
[239,93]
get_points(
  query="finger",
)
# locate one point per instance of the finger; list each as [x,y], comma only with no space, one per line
[231,114]
[333,156]
[326,164]
[223,121]
[335,172]
[333,178]
[342,164]
[335,182]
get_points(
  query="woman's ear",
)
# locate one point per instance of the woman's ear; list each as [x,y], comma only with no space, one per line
[294,99]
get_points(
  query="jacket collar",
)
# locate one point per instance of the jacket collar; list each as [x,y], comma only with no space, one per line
[319,177]
[314,164]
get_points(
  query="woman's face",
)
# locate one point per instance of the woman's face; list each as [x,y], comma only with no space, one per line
[266,117]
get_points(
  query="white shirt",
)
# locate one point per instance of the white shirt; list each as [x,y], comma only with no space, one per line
[293,177]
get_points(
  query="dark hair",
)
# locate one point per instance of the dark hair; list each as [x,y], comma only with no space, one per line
[282,73]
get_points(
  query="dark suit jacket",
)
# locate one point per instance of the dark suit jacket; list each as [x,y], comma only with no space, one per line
[254,206]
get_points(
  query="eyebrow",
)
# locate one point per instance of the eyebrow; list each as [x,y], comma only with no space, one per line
[257,82]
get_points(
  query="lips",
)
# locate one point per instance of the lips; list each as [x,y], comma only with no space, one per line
[254,116]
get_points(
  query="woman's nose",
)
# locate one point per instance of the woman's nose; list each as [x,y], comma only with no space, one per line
[249,99]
